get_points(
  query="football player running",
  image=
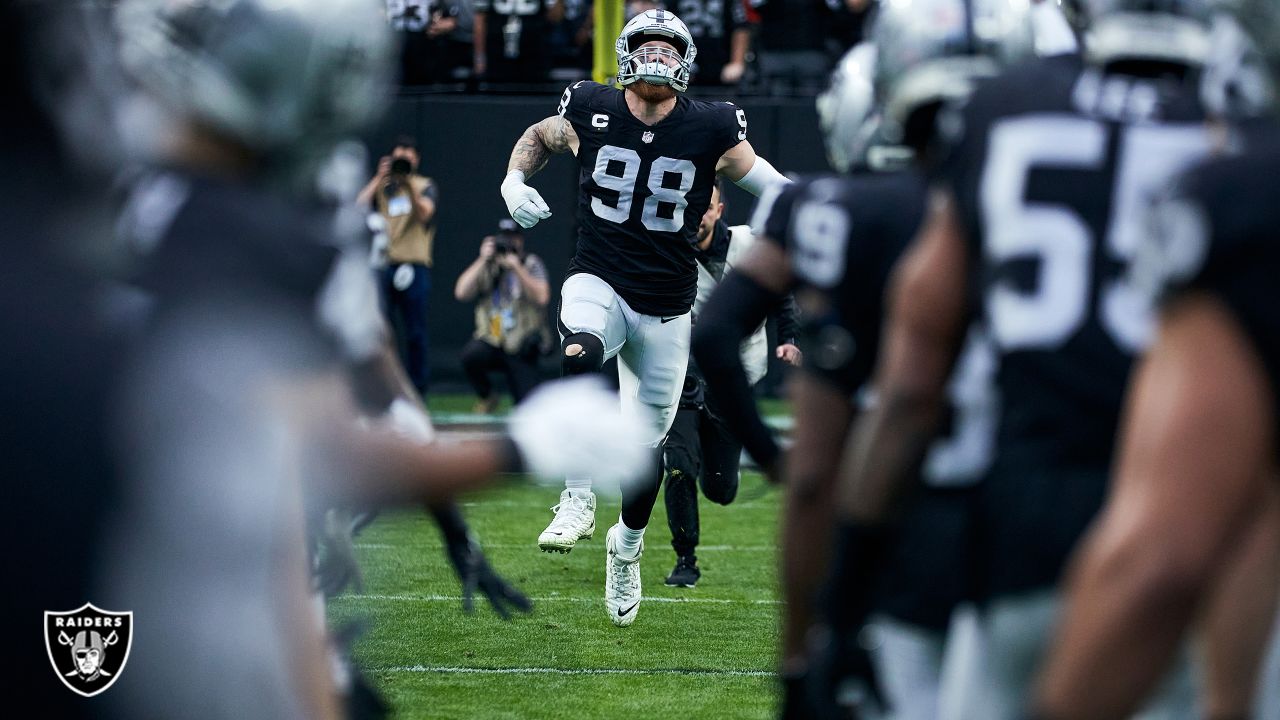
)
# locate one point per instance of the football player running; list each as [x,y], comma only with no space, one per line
[647,158]
[836,239]
[1194,491]
[1032,229]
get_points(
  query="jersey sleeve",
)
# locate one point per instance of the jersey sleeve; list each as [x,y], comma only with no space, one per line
[730,125]
[1213,232]
[1173,255]
[575,103]
[772,216]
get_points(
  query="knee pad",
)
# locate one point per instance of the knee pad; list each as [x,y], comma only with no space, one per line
[582,353]
[720,489]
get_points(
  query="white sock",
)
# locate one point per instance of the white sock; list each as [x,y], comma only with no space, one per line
[628,540]
[578,483]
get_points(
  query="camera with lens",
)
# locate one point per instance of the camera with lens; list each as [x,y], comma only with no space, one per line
[505,240]
[503,244]
[399,175]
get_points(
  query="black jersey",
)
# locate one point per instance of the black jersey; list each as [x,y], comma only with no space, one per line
[712,24]
[202,243]
[1053,171]
[644,189]
[843,234]
[516,34]
[1217,234]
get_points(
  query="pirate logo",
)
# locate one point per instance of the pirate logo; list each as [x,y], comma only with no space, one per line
[88,647]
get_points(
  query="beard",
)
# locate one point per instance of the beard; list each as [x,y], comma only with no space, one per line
[651,93]
[704,234]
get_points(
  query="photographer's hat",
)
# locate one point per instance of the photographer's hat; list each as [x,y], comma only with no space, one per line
[507,226]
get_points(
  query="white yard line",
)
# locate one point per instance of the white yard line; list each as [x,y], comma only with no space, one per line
[556,598]
[437,546]
[571,671]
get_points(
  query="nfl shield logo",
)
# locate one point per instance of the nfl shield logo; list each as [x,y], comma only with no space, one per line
[647,136]
[88,647]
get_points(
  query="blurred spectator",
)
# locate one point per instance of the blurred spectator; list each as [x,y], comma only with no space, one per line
[721,31]
[635,7]
[849,24]
[407,203]
[799,40]
[511,319]
[511,38]
[570,39]
[431,49]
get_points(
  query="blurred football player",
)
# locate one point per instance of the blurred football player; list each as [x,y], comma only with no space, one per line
[1032,229]
[238,405]
[647,157]
[1195,482]
[836,238]
[59,361]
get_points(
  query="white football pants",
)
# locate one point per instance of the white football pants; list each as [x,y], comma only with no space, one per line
[653,352]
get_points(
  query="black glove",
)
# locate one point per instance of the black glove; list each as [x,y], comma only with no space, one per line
[473,567]
[362,701]
[839,665]
[474,572]
[795,703]
[841,683]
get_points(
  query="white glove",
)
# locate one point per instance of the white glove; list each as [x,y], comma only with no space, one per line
[410,420]
[523,202]
[576,427]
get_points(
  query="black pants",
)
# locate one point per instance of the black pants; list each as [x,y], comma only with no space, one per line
[699,451]
[479,358]
[407,312]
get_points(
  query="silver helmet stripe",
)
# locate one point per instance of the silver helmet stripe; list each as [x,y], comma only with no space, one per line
[635,63]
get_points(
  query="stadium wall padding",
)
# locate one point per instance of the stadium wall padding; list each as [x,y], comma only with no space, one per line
[465,141]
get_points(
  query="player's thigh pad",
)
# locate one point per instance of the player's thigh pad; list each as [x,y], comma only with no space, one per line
[651,367]
[589,305]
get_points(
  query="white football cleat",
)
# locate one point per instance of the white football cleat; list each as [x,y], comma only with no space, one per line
[575,520]
[621,581]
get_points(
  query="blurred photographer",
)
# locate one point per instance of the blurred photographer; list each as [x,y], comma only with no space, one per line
[407,203]
[511,319]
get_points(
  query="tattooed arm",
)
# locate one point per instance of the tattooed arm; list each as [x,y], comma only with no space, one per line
[552,135]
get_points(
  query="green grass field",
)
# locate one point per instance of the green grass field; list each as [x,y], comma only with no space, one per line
[707,652]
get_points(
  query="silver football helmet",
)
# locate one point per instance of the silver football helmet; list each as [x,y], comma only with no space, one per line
[932,52]
[1167,31]
[275,75]
[651,64]
[1242,76]
[850,119]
